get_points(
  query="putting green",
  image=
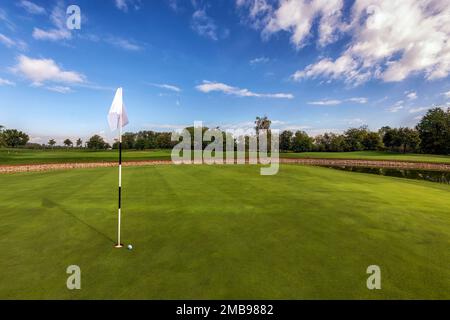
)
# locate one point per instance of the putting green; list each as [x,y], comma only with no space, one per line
[223,232]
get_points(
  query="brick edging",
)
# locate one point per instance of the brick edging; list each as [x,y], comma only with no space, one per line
[309,161]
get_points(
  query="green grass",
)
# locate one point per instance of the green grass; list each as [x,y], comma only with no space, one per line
[223,232]
[25,156]
[371,155]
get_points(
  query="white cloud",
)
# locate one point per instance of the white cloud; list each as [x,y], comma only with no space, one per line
[361,100]
[10,43]
[208,86]
[411,95]
[166,86]
[355,121]
[124,5]
[297,17]
[58,19]
[419,109]
[446,94]
[52,34]
[259,60]
[258,12]
[6,82]
[59,89]
[4,18]
[123,43]
[31,7]
[44,70]
[389,39]
[396,107]
[204,25]
[332,102]
[326,102]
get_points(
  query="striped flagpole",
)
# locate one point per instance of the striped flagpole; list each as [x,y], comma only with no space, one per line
[119,244]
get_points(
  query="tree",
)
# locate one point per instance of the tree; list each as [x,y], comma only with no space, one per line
[262,123]
[68,143]
[434,131]
[2,142]
[128,140]
[354,138]
[330,142]
[401,139]
[409,139]
[13,138]
[163,140]
[372,141]
[301,142]
[97,143]
[286,140]
[51,142]
[337,143]
[390,137]
[79,143]
[148,138]
[139,144]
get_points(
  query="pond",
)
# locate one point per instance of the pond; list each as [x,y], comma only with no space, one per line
[428,175]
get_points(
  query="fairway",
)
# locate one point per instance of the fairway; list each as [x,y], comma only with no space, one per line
[371,155]
[223,232]
[26,156]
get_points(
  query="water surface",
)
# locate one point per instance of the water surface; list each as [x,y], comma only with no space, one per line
[428,175]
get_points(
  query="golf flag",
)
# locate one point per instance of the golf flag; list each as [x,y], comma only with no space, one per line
[117,116]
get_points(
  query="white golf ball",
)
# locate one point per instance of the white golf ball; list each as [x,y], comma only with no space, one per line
[130,247]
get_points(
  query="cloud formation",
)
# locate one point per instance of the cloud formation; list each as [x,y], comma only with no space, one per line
[208,86]
[333,102]
[39,71]
[58,19]
[204,25]
[6,82]
[166,86]
[10,43]
[259,60]
[59,89]
[411,95]
[389,39]
[124,5]
[31,7]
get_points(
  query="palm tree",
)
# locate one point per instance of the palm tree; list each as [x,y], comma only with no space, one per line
[262,123]
[68,143]
[51,142]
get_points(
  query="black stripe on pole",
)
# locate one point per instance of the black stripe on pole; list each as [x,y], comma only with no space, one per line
[120,196]
[120,163]
[120,152]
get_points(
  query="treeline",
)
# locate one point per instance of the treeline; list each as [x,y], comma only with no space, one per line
[431,135]
[354,139]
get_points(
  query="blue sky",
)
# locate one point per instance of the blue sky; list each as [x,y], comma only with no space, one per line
[316,66]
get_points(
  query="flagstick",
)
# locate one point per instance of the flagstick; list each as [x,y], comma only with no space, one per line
[119,245]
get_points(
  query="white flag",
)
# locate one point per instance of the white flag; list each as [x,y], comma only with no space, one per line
[117,115]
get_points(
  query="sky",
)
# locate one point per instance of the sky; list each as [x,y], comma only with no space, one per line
[316,66]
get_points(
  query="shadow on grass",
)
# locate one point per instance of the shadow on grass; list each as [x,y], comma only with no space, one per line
[47,203]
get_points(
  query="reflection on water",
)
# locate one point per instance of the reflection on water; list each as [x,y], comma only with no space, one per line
[434,176]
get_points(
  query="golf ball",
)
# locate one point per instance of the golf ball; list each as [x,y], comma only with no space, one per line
[130,247]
